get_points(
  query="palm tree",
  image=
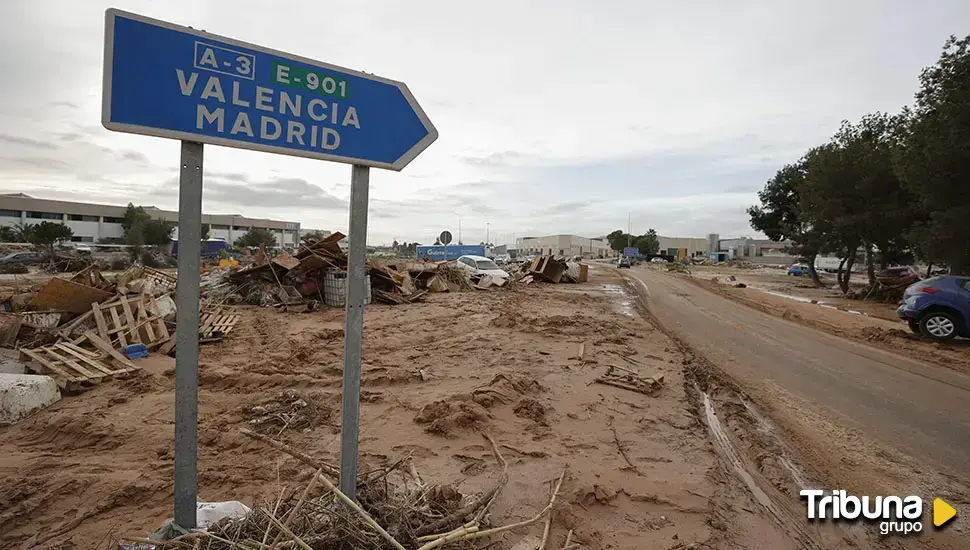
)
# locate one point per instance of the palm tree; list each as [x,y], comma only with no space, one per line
[22,232]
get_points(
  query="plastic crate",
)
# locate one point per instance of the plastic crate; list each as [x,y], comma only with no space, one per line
[335,289]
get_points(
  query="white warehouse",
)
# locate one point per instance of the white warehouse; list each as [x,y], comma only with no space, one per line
[102,223]
[564,245]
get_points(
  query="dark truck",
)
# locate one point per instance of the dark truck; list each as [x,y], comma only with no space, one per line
[210,248]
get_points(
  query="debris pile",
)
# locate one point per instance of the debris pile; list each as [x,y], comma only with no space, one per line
[678,267]
[549,269]
[84,329]
[399,511]
[627,379]
[299,283]
[288,410]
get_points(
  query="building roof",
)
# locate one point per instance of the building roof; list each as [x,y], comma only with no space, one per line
[20,201]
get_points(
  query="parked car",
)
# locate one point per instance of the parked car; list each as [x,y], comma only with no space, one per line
[23,258]
[658,260]
[897,276]
[938,308]
[798,270]
[623,262]
[480,265]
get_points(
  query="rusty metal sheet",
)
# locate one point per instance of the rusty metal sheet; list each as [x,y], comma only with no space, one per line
[64,295]
[286,261]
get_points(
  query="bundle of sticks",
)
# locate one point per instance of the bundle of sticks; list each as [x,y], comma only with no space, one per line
[406,515]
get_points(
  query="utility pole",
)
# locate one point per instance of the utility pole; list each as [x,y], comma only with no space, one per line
[459,230]
[629,230]
[486,233]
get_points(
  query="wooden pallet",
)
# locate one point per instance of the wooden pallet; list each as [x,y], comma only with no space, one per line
[220,319]
[73,367]
[163,281]
[125,321]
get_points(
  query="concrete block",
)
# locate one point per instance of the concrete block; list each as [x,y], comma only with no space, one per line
[23,394]
[10,362]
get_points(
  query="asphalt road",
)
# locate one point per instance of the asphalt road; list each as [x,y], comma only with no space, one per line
[918,408]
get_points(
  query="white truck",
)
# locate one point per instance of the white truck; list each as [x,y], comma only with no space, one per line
[831,264]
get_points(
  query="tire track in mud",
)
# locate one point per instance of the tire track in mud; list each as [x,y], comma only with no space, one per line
[711,389]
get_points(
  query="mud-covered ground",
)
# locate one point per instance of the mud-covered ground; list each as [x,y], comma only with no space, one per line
[870,322]
[642,472]
[776,280]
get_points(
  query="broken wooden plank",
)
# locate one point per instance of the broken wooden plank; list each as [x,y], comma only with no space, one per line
[133,332]
[10,324]
[47,367]
[89,361]
[69,362]
[108,349]
[623,386]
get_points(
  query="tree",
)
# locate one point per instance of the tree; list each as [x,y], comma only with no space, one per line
[133,216]
[22,232]
[48,234]
[779,216]
[394,244]
[255,237]
[156,232]
[933,158]
[648,243]
[852,197]
[617,240]
[205,232]
[7,234]
[134,219]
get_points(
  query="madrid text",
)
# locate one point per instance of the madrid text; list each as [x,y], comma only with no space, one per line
[320,127]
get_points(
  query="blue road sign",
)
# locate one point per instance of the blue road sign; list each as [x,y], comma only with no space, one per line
[166,80]
[631,251]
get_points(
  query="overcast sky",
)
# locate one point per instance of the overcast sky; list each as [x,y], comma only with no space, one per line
[554,116]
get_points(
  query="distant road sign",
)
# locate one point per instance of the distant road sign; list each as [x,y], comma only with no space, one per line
[445,237]
[631,251]
[167,80]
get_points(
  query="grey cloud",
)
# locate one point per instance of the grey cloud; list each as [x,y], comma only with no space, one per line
[566,207]
[69,104]
[27,142]
[70,136]
[275,193]
[45,163]
[134,156]
[232,176]
[742,189]
[502,158]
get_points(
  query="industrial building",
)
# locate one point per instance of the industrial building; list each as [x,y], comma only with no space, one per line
[564,245]
[753,250]
[93,223]
[683,247]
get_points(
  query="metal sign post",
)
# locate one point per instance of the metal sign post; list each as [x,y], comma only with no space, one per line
[445,239]
[187,335]
[353,330]
[167,80]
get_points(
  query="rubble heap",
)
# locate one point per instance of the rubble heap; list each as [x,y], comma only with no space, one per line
[299,282]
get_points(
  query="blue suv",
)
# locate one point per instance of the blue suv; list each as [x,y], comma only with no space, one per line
[938,308]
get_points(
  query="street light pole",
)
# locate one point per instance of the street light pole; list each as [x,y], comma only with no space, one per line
[486,233]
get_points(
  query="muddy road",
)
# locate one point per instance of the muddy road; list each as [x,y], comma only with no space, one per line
[841,413]
[906,404]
